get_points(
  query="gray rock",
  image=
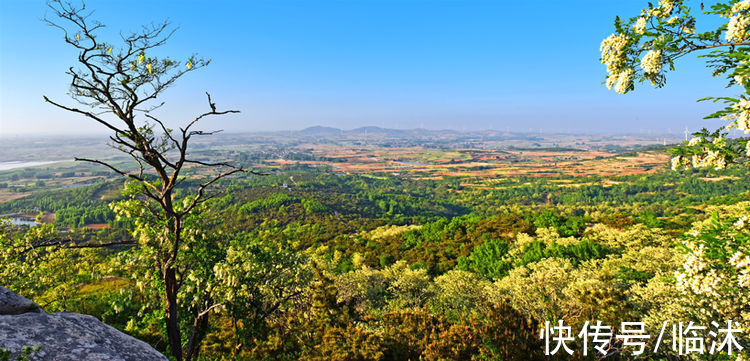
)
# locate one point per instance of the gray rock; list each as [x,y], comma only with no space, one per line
[13,304]
[65,336]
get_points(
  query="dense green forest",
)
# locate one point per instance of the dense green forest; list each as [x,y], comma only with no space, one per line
[388,267]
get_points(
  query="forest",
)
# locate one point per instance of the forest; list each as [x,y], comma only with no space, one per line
[362,267]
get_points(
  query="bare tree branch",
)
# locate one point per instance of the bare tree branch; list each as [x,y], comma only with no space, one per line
[121,84]
[88,114]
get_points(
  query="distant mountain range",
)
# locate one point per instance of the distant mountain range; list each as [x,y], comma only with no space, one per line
[379,132]
[371,130]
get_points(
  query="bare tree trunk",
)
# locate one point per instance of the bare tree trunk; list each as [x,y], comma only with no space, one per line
[197,334]
[170,304]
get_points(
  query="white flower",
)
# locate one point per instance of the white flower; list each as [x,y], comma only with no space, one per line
[712,158]
[623,81]
[736,259]
[741,262]
[665,9]
[697,161]
[744,278]
[672,20]
[676,162]
[741,116]
[741,6]
[613,52]
[737,29]
[720,163]
[694,141]
[611,80]
[741,223]
[640,25]
[651,63]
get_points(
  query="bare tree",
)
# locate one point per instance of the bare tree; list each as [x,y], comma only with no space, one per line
[115,84]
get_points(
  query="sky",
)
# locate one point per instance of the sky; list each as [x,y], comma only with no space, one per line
[291,64]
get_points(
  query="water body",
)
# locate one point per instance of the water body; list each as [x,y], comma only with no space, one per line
[16,164]
[22,221]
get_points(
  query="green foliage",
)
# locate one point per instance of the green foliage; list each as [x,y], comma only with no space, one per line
[576,253]
[312,206]
[274,202]
[24,355]
[386,260]
[487,259]
[566,226]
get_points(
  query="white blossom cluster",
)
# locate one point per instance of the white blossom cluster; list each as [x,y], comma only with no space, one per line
[741,6]
[705,276]
[664,9]
[623,81]
[741,116]
[711,159]
[667,6]
[741,223]
[640,25]
[696,275]
[651,63]
[678,162]
[737,29]
[613,50]
[741,262]
[707,159]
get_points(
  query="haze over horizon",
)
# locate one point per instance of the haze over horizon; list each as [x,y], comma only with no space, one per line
[292,64]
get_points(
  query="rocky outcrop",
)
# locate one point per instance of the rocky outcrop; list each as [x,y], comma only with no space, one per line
[64,336]
[13,304]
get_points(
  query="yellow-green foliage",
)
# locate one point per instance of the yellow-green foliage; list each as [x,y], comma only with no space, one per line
[395,287]
[537,289]
[390,231]
[554,288]
[458,292]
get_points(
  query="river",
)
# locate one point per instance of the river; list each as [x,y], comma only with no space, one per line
[16,164]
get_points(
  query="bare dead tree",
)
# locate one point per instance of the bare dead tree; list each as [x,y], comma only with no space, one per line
[113,85]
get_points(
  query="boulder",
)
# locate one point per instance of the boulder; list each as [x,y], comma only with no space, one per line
[13,304]
[64,336]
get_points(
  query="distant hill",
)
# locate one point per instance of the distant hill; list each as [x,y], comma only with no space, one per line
[319,130]
[380,132]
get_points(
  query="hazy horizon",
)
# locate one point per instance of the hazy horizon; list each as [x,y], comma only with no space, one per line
[676,133]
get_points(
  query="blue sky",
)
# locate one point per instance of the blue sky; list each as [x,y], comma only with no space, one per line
[457,64]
